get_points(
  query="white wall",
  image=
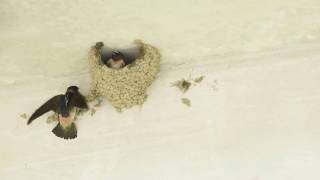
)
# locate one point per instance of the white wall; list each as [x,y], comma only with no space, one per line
[254,117]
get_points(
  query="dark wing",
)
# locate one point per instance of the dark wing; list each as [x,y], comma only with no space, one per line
[78,101]
[51,105]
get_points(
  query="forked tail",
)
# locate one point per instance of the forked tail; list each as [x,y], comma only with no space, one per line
[69,132]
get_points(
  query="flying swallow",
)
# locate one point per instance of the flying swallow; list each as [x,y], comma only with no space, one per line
[65,106]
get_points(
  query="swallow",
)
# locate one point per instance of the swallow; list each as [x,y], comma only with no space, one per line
[116,61]
[65,106]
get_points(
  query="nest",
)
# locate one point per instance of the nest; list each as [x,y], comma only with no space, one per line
[124,87]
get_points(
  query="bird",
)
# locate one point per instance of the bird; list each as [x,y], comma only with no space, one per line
[116,61]
[65,106]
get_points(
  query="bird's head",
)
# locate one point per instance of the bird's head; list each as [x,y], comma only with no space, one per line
[70,91]
[116,55]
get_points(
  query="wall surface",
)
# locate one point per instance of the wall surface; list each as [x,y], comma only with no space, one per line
[255,116]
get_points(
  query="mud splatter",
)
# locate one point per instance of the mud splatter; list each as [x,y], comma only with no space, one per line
[186,101]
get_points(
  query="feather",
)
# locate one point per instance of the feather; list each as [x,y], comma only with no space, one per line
[78,101]
[50,105]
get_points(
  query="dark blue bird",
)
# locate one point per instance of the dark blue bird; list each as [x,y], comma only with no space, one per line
[64,105]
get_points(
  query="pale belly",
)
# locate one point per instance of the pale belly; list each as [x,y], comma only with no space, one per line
[115,64]
[67,121]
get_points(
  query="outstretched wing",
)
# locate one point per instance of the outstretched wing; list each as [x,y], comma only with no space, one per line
[78,101]
[51,105]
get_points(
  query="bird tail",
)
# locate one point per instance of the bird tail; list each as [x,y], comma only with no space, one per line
[69,132]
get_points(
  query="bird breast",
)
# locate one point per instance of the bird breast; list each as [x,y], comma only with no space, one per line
[116,64]
[67,121]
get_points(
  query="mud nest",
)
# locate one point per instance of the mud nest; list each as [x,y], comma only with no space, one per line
[125,87]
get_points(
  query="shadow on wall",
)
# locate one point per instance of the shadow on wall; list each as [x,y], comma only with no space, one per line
[118,58]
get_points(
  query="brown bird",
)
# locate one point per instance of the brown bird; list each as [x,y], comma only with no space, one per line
[65,106]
